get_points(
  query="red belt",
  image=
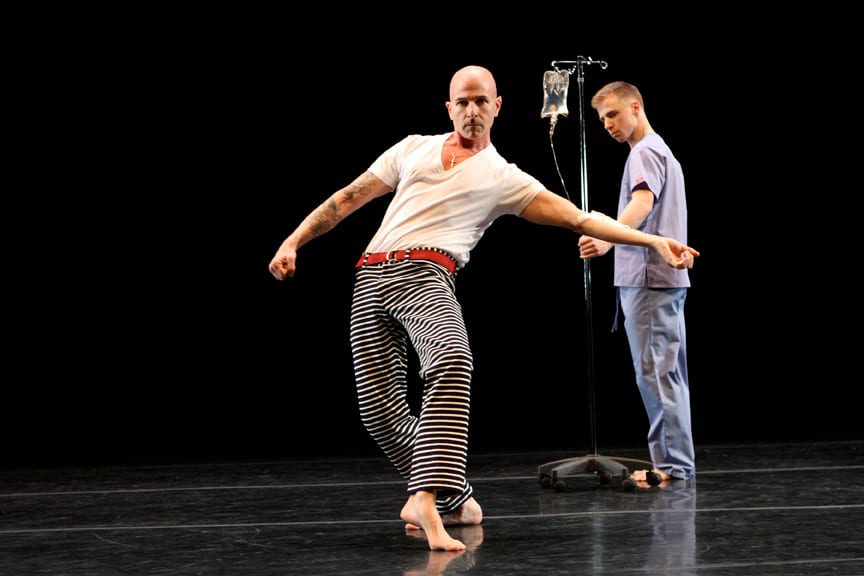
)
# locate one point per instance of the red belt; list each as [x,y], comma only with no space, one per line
[372,258]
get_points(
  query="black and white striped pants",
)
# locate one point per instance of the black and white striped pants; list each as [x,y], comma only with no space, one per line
[413,302]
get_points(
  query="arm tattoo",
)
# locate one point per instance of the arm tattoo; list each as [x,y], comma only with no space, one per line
[327,215]
[324,218]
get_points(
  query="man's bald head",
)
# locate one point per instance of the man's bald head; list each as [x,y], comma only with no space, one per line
[474,77]
[474,103]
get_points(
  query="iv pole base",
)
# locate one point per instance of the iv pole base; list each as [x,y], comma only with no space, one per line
[606,469]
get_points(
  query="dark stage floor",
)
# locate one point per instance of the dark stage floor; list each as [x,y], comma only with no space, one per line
[758,510]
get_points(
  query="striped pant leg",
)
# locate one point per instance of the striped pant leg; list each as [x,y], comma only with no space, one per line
[379,347]
[416,299]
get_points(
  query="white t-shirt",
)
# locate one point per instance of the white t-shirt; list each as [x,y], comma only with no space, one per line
[446,209]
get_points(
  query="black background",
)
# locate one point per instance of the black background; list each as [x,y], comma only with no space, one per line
[163,155]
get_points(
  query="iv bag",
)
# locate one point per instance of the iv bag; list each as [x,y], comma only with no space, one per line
[555,86]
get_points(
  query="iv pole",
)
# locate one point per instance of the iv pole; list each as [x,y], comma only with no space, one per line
[606,468]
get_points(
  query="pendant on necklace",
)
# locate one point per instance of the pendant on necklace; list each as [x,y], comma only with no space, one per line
[452,159]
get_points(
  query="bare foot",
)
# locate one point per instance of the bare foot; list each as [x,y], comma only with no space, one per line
[420,511]
[641,478]
[469,514]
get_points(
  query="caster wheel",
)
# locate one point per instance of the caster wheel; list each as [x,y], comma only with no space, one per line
[653,478]
[628,484]
[559,486]
[546,481]
[604,477]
